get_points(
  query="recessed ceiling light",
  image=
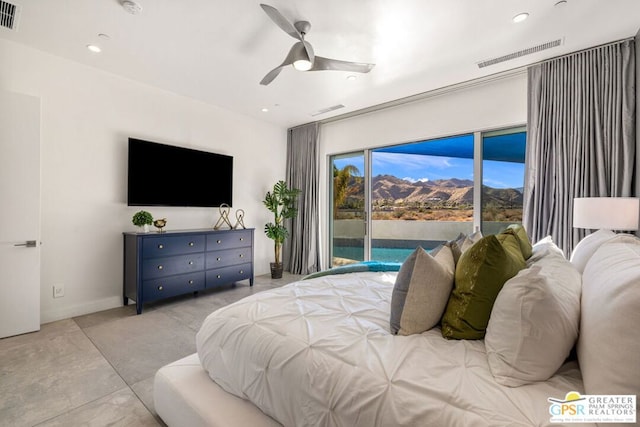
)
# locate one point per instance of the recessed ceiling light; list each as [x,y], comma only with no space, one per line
[351,77]
[520,17]
[265,110]
[131,6]
[94,48]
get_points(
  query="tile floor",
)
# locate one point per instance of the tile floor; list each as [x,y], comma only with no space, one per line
[97,369]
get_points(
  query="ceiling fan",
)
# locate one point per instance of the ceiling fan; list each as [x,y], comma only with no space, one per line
[301,54]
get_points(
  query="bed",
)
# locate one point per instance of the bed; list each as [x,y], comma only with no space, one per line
[319,352]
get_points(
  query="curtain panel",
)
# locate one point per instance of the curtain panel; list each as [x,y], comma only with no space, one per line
[581,138]
[302,248]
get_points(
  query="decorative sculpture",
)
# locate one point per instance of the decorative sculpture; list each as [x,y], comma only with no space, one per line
[159,223]
[239,219]
[224,217]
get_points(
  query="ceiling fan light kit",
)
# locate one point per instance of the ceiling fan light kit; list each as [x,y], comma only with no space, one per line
[301,55]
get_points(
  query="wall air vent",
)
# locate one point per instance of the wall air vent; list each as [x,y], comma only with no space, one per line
[326,110]
[8,15]
[520,53]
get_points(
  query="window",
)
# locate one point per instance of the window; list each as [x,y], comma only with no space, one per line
[387,201]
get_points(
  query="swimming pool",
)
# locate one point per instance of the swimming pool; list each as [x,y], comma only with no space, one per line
[377,254]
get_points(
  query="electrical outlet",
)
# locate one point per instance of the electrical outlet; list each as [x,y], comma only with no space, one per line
[58,290]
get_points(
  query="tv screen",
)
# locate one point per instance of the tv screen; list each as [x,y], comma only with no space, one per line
[165,175]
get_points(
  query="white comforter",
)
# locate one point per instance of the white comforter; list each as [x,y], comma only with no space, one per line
[319,353]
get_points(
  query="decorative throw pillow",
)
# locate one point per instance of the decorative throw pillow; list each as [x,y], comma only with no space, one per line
[469,240]
[480,274]
[609,343]
[428,293]
[534,322]
[588,246]
[521,234]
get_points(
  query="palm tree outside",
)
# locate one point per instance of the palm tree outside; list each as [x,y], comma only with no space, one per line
[341,179]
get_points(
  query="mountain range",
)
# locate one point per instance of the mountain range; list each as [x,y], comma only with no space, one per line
[391,190]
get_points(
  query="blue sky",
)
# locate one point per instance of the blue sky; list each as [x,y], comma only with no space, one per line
[416,167]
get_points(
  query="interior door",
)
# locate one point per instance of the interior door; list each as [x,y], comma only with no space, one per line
[20,214]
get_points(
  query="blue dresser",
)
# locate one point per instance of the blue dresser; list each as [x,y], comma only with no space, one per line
[162,265]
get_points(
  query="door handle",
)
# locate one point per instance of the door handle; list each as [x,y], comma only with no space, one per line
[28,244]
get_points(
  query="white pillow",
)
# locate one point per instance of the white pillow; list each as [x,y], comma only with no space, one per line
[588,246]
[542,248]
[534,322]
[609,344]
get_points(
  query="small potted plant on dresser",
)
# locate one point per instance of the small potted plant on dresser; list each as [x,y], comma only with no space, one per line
[142,219]
[281,201]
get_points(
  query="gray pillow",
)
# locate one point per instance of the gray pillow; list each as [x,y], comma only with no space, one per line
[428,293]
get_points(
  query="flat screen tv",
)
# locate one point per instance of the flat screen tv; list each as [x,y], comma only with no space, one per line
[165,175]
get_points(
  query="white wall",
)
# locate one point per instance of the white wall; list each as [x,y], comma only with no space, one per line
[87,116]
[496,103]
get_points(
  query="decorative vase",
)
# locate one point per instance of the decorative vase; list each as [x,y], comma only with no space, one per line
[145,228]
[276,270]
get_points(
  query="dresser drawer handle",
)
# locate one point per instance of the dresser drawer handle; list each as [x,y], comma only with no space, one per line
[218,259]
[241,271]
[160,267]
[160,246]
[160,288]
[242,239]
[190,262]
[190,243]
[218,241]
[191,282]
[219,276]
[241,255]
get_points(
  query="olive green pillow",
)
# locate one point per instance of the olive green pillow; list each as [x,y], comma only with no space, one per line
[521,234]
[480,274]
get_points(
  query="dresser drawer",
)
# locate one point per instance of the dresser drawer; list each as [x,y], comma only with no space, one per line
[217,259]
[171,286]
[226,275]
[169,266]
[228,240]
[153,247]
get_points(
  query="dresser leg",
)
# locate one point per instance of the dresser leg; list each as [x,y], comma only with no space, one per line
[125,300]
[138,307]
[251,281]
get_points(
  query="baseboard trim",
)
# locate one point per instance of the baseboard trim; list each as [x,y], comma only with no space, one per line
[53,315]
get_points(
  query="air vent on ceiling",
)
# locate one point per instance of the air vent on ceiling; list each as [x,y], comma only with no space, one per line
[8,15]
[520,53]
[326,110]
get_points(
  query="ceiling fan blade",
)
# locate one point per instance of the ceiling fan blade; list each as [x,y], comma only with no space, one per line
[274,73]
[271,75]
[287,27]
[281,21]
[321,63]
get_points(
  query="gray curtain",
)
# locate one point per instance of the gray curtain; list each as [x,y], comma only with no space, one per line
[580,137]
[302,248]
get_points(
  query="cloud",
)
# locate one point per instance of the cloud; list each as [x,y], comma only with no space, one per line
[410,161]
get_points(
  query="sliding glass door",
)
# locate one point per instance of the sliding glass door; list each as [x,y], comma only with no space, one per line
[421,195]
[348,214]
[503,155]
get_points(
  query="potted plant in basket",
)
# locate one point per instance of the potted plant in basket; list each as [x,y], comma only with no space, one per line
[142,219]
[281,201]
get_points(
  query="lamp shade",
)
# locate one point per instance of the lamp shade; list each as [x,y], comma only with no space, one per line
[610,213]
